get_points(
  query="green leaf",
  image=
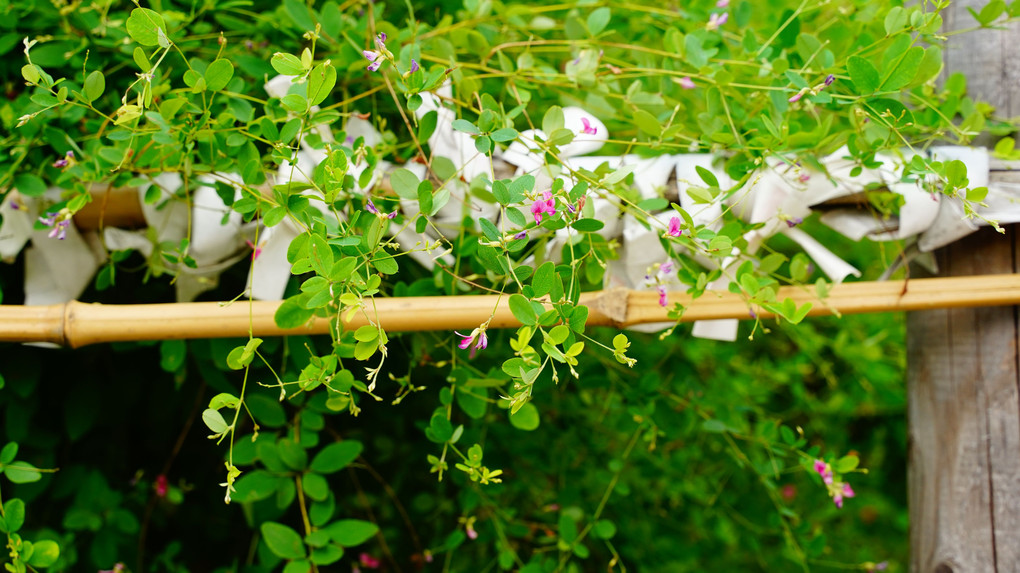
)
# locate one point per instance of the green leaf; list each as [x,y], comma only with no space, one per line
[29,185]
[214,421]
[14,516]
[648,123]
[598,20]
[315,486]
[542,282]
[218,74]
[143,24]
[291,314]
[9,452]
[22,472]
[287,64]
[552,120]
[321,82]
[336,456]
[298,12]
[351,532]
[504,135]
[95,85]
[282,541]
[707,176]
[603,529]
[320,254]
[522,310]
[905,69]
[45,552]
[405,183]
[847,464]
[256,485]
[713,426]
[863,74]
[588,225]
[465,126]
[526,418]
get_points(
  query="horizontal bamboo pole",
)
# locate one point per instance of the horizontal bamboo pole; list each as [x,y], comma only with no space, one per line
[77,324]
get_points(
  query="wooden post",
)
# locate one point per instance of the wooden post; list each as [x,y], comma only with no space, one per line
[963,375]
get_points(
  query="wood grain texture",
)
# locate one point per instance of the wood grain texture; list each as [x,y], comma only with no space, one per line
[964,409]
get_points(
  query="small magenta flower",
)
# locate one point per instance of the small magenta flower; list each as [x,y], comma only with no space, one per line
[64,161]
[542,206]
[256,250]
[666,268]
[686,82]
[368,561]
[796,97]
[716,20]
[839,494]
[471,533]
[804,177]
[588,128]
[477,338]
[162,486]
[674,227]
[663,299]
[722,3]
[823,469]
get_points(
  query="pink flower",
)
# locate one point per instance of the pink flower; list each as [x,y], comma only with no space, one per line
[666,268]
[588,128]
[716,20]
[663,299]
[471,533]
[796,97]
[477,338]
[839,494]
[686,82]
[542,206]
[674,227]
[368,561]
[722,3]
[162,486]
[824,470]
[256,250]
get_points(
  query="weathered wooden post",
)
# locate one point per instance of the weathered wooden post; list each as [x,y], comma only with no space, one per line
[963,374]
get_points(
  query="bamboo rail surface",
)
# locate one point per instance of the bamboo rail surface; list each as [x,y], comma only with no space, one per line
[77,324]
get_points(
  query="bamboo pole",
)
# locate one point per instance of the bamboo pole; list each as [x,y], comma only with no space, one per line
[77,324]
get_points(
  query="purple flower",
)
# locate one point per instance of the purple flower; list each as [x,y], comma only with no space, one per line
[59,231]
[663,299]
[791,223]
[414,66]
[49,220]
[17,206]
[674,227]
[666,268]
[829,79]
[371,208]
[64,161]
[588,129]
[542,206]
[686,82]
[521,235]
[717,19]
